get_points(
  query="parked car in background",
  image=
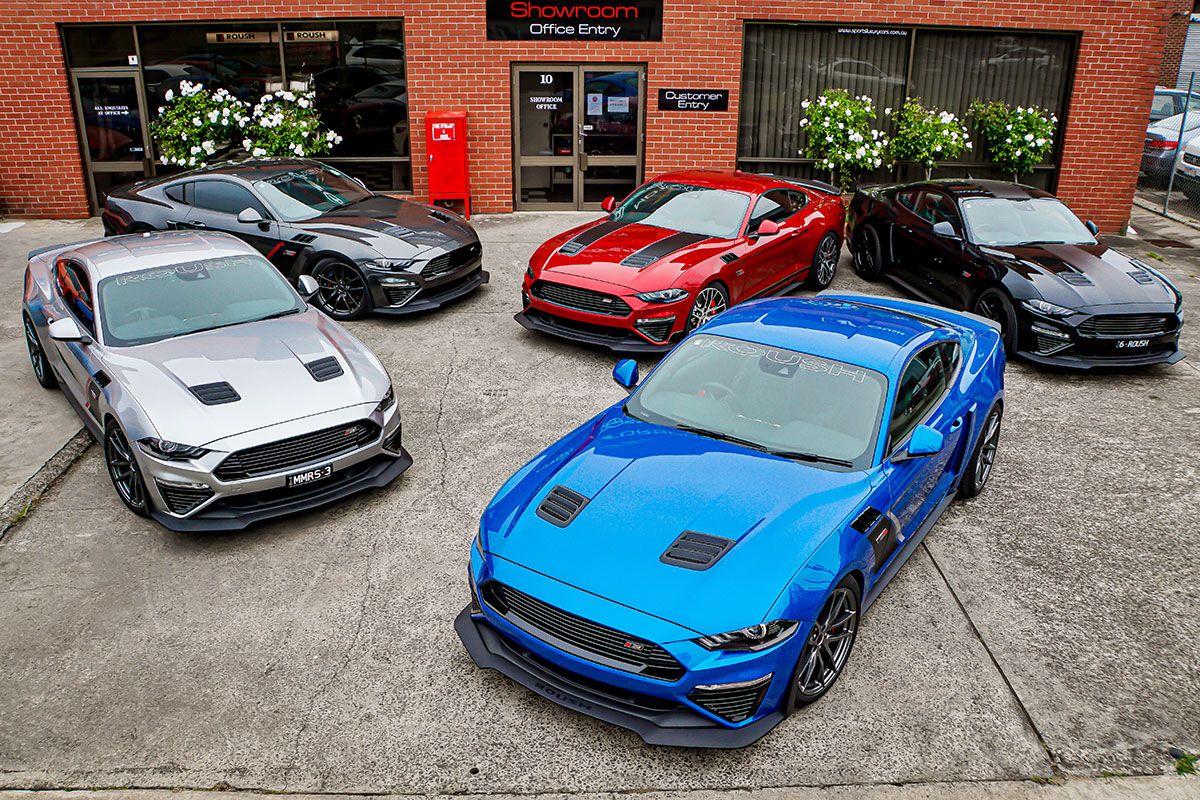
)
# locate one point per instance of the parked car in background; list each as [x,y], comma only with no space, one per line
[1187,172]
[368,252]
[1161,147]
[221,398]
[693,563]
[1169,102]
[1019,256]
[679,250]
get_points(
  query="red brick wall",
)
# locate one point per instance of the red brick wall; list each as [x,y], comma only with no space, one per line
[451,65]
[1178,14]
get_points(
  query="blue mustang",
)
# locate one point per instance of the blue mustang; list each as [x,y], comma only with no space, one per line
[693,562]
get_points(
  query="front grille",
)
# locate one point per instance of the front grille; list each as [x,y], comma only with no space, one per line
[695,550]
[1048,345]
[582,637]
[183,499]
[581,299]
[449,262]
[292,452]
[656,329]
[1126,325]
[732,701]
[398,295]
[1191,158]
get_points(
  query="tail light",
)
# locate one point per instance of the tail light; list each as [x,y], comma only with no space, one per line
[1162,144]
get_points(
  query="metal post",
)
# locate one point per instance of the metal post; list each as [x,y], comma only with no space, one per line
[1187,101]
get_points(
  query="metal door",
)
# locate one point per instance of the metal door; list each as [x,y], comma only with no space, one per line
[110,113]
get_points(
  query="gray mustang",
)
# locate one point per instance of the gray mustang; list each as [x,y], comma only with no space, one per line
[368,252]
[221,397]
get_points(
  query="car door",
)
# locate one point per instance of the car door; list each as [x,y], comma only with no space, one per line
[906,248]
[180,197]
[768,260]
[74,292]
[942,267]
[215,205]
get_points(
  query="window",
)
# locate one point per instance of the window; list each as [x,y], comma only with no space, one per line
[921,387]
[687,208]
[1003,222]
[225,197]
[306,193]
[775,205]
[75,290]
[180,193]
[935,207]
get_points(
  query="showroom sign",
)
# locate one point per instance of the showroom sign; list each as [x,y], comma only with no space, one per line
[593,20]
[693,99]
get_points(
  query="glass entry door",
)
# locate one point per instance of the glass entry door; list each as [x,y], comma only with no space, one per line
[112,127]
[577,134]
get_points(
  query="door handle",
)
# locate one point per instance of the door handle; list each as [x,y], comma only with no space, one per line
[956,424]
[197,225]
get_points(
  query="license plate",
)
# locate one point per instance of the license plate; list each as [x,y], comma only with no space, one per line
[309,476]
[1132,344]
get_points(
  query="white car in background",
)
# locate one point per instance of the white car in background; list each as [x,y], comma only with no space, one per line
[1161,148]
[1187,172]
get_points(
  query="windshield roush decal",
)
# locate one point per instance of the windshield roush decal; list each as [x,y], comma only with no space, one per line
[785,362]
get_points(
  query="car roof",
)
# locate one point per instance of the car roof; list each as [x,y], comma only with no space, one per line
[966,188]
[251,169]
[734,180]
[134,252]
[855,332]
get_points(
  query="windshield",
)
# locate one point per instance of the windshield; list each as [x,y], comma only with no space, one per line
[163,302]
[302,194]
[1042,220]
[794,404]
[682,207]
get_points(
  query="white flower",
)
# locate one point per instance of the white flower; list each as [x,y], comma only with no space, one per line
[196,121]
[1029,137]
[209,147]
[170,95]
[258,152]
[246,144]
[887,111]
[195,149]
[302,102]
[1008,127]
[804,104]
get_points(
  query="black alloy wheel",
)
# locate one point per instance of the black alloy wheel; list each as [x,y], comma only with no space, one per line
[710,301]
[37,356]
[342,291]
[984,458]
[828,645]
[994,304]
[825,262]
[866,254]
[124,471]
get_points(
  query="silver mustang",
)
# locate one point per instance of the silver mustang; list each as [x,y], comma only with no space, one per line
[221,396]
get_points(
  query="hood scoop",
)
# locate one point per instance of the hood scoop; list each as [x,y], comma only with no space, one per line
[215,394]
[561,506]
[697,551]
[1141,276]
[324,369]
[1075,278]
[441,216]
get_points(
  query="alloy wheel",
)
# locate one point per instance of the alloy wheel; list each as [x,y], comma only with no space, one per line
[341,289]
[123,468]
[991,307]
[987,451]
[827,259]
[36,357]
[709,303]
[864,258]
[828,645]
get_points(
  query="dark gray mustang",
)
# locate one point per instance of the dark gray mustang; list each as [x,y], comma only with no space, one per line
[368,252]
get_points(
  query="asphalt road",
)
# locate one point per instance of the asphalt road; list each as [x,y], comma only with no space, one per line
[1049,628]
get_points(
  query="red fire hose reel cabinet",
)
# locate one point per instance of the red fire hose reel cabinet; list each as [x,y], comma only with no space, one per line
[446,145]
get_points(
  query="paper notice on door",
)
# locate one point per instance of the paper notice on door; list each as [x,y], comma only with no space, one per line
[618,105]
[595,104]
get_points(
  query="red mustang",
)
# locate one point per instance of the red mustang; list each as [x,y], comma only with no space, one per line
[679,250]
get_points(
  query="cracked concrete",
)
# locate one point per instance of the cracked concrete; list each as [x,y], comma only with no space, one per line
[1042,631]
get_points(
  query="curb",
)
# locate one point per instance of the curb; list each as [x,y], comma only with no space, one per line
[31,491]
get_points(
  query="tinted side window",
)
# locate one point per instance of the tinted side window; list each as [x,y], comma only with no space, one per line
[225,197]
[775,205]
[908,199]
[921,386]
[180,193]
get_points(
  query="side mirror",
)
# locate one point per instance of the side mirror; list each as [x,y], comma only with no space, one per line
[67,330]
[767,228]
[608,204]
[308,287]
[925,441]
[945,230]
[250,216]
[625,373]
[1091,226]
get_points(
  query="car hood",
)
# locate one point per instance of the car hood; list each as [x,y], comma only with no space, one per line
[663,254]
[646,485]
[393,227]
[1081,276]
[264,362]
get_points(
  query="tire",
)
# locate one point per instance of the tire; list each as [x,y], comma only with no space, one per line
[124,471]
[710,301]
[867,254]
[995,305]
[979,469]
[37,356]
[343,292]
[825,262]
[839,618]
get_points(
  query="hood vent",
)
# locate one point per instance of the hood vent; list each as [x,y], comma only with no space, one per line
[1142,277]
[729,258]
[571,248]
[639,260]
[324,369]
[304,238]
[215,394]
[561,506]
[1075,278]
[866,520]
[696,550]
[441,216]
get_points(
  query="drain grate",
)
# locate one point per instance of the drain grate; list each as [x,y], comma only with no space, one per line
[1168,243]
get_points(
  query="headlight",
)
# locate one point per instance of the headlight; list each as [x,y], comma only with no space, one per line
[388,264]
[389,400]
[1050,309]
[529,271]
[479,543]
[752,639]
[663,296]
[171,451]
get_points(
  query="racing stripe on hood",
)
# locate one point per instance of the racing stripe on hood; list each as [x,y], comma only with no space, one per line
[663,247]
[591,236]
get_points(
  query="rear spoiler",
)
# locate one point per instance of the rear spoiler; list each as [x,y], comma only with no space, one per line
[927,312]
[40,251]
[814,185]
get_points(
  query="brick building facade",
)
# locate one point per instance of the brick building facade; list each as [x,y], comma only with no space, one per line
[1113,53]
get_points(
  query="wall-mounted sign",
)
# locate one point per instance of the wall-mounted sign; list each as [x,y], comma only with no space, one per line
[310,36]
[693,99]
[444,131]
[597,20]
[873,31]
[239,37]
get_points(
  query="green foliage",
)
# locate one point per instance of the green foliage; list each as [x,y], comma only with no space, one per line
[195,123]
[1186,763]
[840,137]
[926,135]
[287,124]
[1017,139]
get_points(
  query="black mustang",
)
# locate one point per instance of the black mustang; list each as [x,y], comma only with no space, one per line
[1017,255]
[368,252]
